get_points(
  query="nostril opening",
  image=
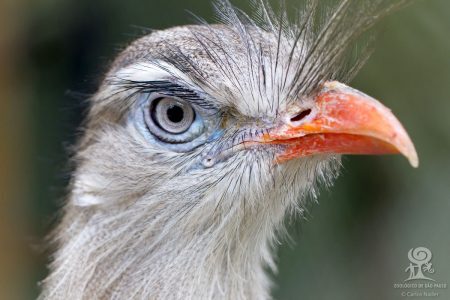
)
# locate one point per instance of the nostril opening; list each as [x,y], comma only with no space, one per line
[301,115]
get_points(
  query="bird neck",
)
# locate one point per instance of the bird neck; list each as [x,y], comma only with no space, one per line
[161,256]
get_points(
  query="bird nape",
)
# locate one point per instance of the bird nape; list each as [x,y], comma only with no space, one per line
[199,142]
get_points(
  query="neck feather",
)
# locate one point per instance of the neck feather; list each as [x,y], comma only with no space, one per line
[161,256]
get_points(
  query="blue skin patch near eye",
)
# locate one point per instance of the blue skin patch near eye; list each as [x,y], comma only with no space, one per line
[216,135]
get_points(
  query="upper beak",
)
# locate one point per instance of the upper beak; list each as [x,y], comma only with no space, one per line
[342,121]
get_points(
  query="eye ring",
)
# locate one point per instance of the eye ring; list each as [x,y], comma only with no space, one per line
[172,115]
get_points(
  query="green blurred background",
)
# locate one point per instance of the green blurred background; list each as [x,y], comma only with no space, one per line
[352,245]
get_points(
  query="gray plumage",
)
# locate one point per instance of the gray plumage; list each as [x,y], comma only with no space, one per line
[145,221]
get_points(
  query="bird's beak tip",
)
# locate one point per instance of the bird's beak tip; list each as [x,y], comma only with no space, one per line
[412,157]
[345,121]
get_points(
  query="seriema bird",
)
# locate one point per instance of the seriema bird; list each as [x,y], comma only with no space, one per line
[199,142]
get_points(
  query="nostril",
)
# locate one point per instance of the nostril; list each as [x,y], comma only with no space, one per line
[301,115]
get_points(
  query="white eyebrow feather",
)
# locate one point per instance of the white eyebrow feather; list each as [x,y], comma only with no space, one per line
[150,71]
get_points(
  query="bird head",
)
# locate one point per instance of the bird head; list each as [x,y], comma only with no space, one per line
[202,138]
[233,112]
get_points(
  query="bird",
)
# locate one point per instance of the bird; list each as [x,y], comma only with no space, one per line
[202,139]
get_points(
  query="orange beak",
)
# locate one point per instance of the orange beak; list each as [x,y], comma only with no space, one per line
[342,121]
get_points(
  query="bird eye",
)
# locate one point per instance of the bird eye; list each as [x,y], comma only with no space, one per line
[172,115]
[173,120]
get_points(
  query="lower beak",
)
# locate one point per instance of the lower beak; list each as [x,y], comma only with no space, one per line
[342,121]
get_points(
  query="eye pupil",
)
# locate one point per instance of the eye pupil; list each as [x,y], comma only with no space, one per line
[175,114]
